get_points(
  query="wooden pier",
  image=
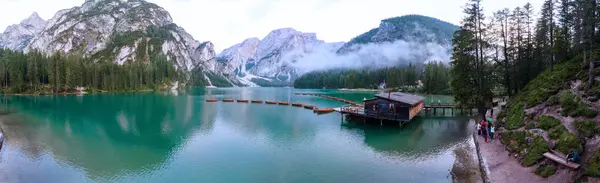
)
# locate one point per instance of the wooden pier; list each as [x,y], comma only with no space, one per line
[429,108]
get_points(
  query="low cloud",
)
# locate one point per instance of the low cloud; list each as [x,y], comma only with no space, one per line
[372,55]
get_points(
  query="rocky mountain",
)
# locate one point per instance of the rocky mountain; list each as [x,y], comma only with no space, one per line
[18,36]
[410,28]
[122,31]
[118,31]
[268,61]
[284,54]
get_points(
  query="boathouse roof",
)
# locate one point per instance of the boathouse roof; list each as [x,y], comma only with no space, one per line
[401,97]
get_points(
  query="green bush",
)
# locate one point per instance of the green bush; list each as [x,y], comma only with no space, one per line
[535,151]
[553,100]
[545,170]
[514,140]
[568,142]
[572,106]
[530,125]
[593,168]
[557,131]
[547,122]
[587,128]
[516,115]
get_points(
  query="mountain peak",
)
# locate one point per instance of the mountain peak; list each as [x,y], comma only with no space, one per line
[34,19]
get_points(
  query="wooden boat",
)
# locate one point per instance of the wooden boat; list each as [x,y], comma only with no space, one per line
[323,111]
[212,100]
[297,104]
[309,107]
[227,100]
[271,102]
[257,101]
[283,103]
[242,101]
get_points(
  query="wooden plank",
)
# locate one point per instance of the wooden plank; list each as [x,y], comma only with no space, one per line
[561,160]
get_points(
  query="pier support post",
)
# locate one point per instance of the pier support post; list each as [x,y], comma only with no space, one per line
[381,122]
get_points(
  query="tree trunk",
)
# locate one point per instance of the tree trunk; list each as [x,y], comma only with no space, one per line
[584,58]
[591,71]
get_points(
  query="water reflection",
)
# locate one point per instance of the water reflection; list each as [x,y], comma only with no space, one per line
[106,135]
[419,138]
[163,137]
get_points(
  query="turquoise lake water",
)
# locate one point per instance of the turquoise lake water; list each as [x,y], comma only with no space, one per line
[178,137]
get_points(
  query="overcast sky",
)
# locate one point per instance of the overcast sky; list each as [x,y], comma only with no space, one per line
[228,22]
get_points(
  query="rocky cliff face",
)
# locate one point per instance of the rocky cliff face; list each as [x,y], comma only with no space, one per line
[269,60]
[122,31]
[18,36]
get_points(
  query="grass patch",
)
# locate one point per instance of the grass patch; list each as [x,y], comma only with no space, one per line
[572,106]
[587,128]
[557,131]
[547,122]
[545,170]
[516,115]
[569,142]
[534,153]
[593,168]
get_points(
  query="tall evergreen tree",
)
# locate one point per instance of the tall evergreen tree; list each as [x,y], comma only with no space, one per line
[471,77]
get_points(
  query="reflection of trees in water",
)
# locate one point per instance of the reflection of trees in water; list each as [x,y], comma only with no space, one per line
[420,137]
[105,134]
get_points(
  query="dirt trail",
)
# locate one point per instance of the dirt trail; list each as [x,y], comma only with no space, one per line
[501,167]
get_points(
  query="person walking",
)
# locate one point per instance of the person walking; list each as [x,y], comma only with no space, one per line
[484,131]
[492,130]
[479,128]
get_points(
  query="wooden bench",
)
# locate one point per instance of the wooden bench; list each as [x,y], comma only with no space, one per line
[556,156]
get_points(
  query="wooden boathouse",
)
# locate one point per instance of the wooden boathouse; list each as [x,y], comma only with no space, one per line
[389,107]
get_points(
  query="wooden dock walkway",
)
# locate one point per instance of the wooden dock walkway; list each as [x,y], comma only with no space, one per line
[332,98]
[280,103]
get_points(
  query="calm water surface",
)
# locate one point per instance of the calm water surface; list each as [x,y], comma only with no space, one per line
[168,137]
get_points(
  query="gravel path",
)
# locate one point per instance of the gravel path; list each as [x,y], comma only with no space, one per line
[501,167]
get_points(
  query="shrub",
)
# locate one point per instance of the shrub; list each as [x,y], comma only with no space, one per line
[547,122]
[593,168]
[535,151]
[586,128]
[557,131]
[568,142]
[572,106]
[545,170]
[530,125]
[516,115]
[514,140]
[553,100]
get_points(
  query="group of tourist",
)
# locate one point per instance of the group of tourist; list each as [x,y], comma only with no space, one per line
[485,129]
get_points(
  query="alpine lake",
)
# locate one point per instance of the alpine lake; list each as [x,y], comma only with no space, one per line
[172,137]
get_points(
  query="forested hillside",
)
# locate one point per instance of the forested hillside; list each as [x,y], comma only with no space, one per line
[434,75]
[546,66]
[36,73]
